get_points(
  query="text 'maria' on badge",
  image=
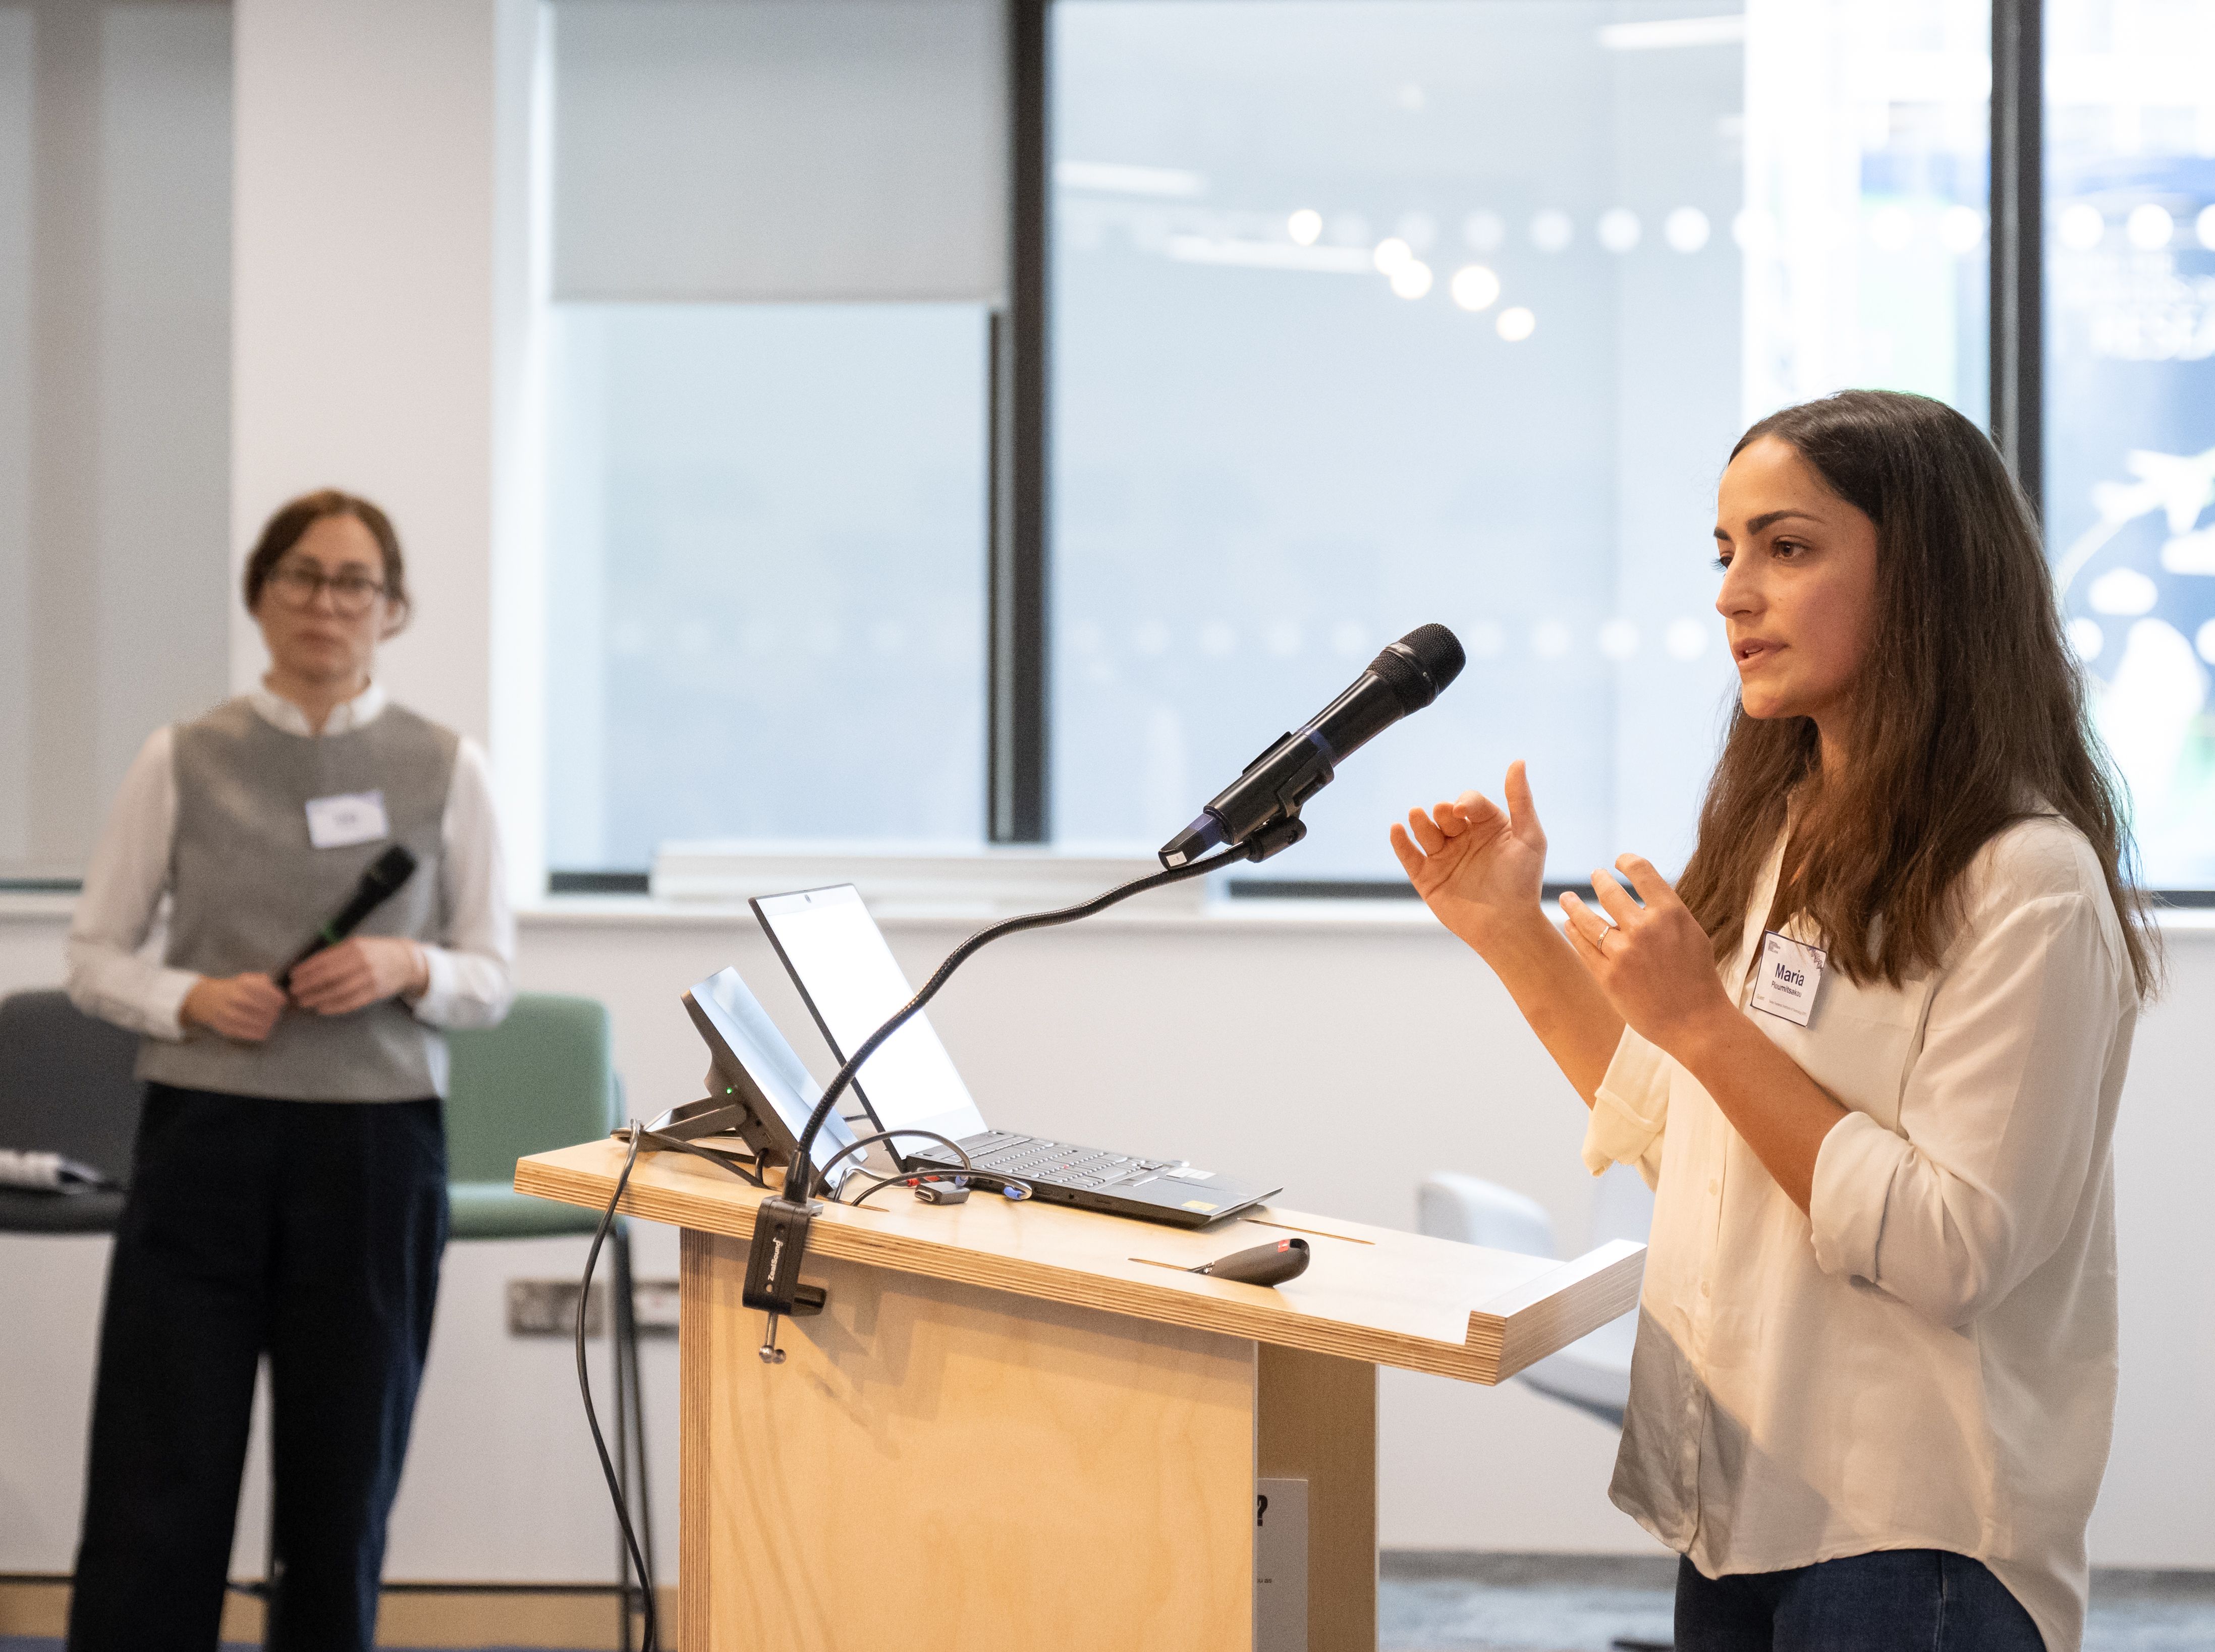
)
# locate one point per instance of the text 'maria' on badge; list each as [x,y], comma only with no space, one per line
[1789,972]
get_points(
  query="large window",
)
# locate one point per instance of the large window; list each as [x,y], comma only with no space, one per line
[1366,314]
[1338,317]
[2130,213]
[777,234]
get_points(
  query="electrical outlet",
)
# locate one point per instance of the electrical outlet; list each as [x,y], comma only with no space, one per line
[657,1308]
[548,1308]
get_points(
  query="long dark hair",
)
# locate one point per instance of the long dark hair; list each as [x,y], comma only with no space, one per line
[1970,712]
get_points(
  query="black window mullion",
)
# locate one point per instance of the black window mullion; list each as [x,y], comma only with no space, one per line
[2018,242]
[1016,684]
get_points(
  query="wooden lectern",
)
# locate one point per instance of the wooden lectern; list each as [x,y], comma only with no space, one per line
[1023,1425]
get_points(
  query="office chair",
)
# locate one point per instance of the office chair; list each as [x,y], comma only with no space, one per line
[545,1077]
[66,1087]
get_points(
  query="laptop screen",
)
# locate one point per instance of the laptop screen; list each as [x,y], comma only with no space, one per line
[851,982]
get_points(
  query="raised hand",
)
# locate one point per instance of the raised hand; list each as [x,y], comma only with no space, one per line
[1479,867]
[1654,961]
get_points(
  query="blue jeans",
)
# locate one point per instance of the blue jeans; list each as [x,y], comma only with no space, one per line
[1888,1601]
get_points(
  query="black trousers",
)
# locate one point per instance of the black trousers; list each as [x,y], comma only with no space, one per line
[310,1231]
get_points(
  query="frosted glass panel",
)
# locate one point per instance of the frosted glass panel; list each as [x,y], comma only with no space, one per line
[766,544]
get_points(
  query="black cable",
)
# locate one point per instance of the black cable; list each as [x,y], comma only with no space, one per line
[651,1642]
[660,1143]
[852,1148]
[1007,1185]
[798,1179]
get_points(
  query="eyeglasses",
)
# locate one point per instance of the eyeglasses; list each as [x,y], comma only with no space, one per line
[299,584]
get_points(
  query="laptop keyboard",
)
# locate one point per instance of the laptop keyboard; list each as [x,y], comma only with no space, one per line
[1031,1158]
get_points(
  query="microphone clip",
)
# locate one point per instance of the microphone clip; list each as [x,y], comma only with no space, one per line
[1276,837]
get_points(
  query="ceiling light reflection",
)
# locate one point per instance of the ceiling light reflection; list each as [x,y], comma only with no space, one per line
[1412,279]
[1483,231]
[2082,227]
[1755,231]
[1474,287]
[1619,229]
[1685,229]
[1960,229]
[2148,227]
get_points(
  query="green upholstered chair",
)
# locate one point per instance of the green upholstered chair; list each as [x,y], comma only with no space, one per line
[545,1077]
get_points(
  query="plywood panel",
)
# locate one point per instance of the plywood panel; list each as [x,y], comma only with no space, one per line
[938,1465]
[1318,1423]
[1371,1294]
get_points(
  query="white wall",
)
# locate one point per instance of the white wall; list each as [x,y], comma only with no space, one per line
[1266,1045]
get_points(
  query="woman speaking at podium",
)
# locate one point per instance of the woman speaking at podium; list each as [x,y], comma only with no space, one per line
[1867,1051]
[288,1188]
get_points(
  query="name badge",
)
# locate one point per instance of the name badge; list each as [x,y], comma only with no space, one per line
[1786,983]
[346,818]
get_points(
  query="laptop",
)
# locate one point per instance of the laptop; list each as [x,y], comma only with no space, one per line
[852,984]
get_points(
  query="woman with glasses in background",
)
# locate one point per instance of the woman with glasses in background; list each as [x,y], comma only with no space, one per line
[288,1191]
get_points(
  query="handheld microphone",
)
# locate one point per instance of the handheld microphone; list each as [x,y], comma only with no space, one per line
[379,885]
[1261,807]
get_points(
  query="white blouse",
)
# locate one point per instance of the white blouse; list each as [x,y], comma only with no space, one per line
[1927,1360]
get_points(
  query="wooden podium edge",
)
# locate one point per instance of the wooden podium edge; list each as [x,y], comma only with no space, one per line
[1506,1334]
[1522,1326]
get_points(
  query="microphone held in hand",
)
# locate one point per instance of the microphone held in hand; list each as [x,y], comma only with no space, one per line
[379,885]
[1262,805]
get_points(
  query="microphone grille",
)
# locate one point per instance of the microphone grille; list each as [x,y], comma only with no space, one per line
[1421,664]
[391,869]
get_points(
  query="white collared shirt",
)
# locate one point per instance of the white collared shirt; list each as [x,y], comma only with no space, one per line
[114,974]
[1927,1359]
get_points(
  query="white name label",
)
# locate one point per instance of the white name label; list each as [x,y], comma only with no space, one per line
[1786,981]
[346,818]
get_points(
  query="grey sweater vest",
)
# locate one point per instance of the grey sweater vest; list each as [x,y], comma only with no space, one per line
[247,890]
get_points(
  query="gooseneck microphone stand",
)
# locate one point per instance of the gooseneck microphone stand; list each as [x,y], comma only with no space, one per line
[780,1222]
